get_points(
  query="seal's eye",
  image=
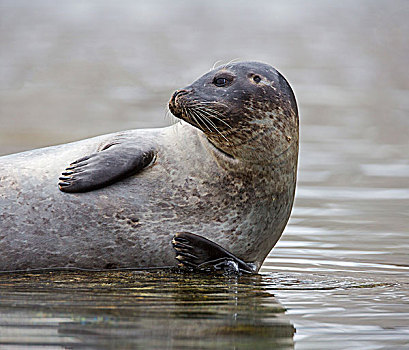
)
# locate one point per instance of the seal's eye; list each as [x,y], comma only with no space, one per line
[257,78]
[220,82]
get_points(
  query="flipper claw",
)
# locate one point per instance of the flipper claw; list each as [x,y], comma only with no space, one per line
[105,167]
[199,253]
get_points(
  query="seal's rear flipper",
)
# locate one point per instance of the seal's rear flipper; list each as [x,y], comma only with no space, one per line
[115,161]
[198,253]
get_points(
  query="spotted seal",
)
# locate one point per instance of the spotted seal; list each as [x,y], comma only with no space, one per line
[215,190]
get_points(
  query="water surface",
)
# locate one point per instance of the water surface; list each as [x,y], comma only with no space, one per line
[144,310]
[341,268]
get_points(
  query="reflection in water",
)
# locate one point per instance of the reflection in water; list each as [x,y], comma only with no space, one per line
[151,310]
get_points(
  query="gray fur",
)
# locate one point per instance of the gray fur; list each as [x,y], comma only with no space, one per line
[242,205]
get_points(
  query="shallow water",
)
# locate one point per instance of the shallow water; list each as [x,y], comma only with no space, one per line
[147,310]
[341,269]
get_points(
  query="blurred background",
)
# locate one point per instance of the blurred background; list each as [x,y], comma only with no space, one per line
[70,70]
[75,69]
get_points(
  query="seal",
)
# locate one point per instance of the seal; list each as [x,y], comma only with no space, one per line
[216,190]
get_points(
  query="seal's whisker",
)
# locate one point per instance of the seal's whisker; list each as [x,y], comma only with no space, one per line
[186,113]
[170,117]
[199,122]
[196,113]
[213,111]
[216,129]
[214,114]
[213,103]
[207,119]
[190,115]
[230,62]
[197,104]
[206,114]
[223,136]
[206,107]
[215,64]
[209,112]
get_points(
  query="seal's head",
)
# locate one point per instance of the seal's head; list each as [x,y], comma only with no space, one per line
[246,109]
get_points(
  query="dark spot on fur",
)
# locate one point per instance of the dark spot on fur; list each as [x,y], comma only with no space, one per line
[110,266]
[132,221]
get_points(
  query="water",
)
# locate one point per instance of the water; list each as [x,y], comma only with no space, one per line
[141,310]
[341,269]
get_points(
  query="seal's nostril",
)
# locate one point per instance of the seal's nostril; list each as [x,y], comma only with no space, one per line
[175,104]
[178,93]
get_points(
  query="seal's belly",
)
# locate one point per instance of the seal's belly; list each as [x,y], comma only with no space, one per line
[128,224]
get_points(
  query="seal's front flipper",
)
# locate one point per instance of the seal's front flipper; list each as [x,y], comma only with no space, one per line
[198,253]
[115,161]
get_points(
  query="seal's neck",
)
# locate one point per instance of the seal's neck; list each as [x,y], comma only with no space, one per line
[277,170]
